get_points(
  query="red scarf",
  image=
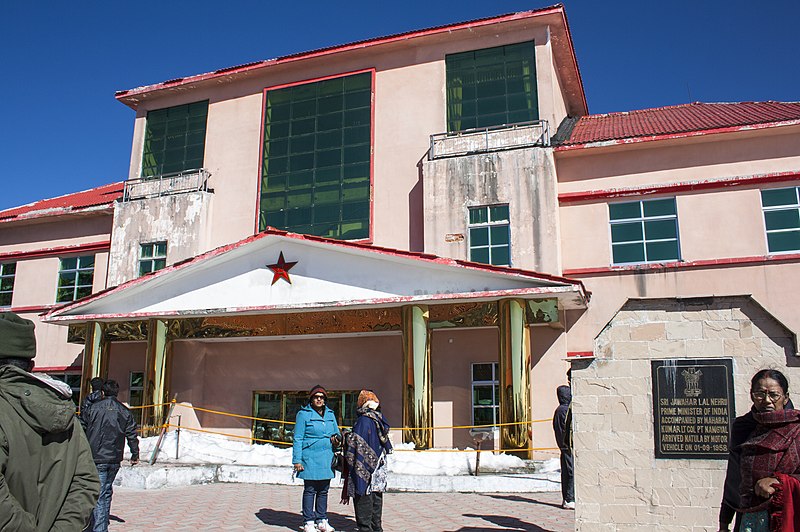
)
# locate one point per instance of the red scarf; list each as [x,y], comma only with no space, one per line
[774,447]
[784,505]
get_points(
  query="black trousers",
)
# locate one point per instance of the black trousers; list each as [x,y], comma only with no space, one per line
[567,477]
[369,510]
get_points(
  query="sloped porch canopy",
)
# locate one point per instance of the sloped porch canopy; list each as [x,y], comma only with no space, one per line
[283,284]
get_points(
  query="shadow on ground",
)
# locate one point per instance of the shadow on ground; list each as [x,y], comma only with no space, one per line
[113,517]
[517,498]
[293,520]
[504,521]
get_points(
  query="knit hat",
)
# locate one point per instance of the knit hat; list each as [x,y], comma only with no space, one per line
[369,399]
[318,389]
[16,336]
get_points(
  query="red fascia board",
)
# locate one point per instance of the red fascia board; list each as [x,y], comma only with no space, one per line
[33,309]
[270,231]
[574,59]
[580,354]
[300,307]
[558,8]
[103,245]
[670,136]
[706,263]
[677,188]
[54,369]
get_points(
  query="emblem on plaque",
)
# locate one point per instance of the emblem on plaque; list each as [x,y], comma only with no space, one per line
[691,376]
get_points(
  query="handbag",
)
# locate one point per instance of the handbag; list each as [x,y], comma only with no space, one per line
[337,463]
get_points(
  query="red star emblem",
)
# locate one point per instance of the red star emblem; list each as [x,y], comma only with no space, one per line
[280,270]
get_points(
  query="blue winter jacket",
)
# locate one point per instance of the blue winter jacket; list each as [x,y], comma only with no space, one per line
[312,443]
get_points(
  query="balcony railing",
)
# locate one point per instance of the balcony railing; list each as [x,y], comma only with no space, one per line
[487,139]
[166,185]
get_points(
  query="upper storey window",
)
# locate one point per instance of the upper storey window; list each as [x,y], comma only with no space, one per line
[7,273]
[175,139]
[782,218]
[75,278]
[644,231]
[491,87]
[315,176]
[490,235]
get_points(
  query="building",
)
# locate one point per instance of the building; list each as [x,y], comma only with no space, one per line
[436,216]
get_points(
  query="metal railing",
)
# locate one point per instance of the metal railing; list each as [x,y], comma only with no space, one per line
[193,180]
[487,139]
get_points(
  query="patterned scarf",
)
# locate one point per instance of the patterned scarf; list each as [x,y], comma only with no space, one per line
[774,447]
[364,448]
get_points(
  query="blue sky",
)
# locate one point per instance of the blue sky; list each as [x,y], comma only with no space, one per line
[63,131]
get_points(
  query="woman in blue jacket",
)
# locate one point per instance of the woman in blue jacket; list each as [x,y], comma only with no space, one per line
[312,454]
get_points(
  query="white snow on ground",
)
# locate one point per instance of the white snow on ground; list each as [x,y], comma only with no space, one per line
[199,448]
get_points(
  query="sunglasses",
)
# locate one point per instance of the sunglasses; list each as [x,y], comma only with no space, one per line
[318,396]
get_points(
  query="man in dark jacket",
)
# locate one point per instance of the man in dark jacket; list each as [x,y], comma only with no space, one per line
[96,394]
[562,431]
[108,424]
[47,478]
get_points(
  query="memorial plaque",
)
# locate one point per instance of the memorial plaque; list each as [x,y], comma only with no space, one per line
[693,408]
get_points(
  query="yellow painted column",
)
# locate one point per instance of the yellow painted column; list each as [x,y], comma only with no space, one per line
[515,385]
[417,397]
[156,376]
[95,356]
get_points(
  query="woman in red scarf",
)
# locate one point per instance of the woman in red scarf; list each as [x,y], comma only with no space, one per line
[770,488]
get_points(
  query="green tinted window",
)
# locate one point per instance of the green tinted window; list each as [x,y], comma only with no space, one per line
[317,154]
[644,231]
[490,235]
[7,274]
[152,257]
[491,87]
[174,140]
[276,413]
[782,219]
[485,394]
[75,278]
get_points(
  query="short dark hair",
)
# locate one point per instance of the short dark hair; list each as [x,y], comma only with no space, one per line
[773,374]
[110,388]
[25,364]
[96,384]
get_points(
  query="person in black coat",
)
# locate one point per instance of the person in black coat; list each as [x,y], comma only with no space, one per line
[562,429]
[96,394]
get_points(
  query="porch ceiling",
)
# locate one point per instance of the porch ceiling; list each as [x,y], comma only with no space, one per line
[326,275]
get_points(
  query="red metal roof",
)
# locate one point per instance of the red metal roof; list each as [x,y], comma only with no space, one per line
[679,119]
[87,200]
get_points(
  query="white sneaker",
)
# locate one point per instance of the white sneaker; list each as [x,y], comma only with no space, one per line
[323,526]
[309,527]
[568,505]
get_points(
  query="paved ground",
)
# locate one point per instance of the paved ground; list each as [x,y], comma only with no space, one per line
[262,507]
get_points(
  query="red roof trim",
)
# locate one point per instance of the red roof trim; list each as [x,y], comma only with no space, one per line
[99,198]
[706,263]
[103,245]
[674,188]
[53,369]
[425,257]
[33,309]
[580,354]
[321,52]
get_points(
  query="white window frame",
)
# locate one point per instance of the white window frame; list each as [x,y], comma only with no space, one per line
[4,275]
[489,224]
[644,241]
[773,208]
[77,270]
[495,384]
[151,261]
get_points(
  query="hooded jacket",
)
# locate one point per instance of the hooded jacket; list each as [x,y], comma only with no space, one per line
[108,424]
[312,443]
[48,481]
[564,394]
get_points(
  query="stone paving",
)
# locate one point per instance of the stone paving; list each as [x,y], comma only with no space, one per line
[263,507]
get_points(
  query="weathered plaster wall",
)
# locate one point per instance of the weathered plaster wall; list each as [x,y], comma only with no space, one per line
[524,178]
[182,220]
[619,484]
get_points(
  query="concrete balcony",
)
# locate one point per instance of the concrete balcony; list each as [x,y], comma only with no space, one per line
[489,139]
[194,180]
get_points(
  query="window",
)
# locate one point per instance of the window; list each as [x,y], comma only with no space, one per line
[491,87]
[75,277]
[283,406]
[782,218]
[316,159]
[644,231]
[485,394]
[136,394]
[152,257]
[7,273]
[74,382]
[490,235]
[174,140]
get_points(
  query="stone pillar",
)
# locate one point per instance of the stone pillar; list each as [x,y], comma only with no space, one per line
[156,376]
[515,386]
[417,397]
[95,356]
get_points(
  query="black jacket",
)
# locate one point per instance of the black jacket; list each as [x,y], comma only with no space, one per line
[88,401]
[108,424]
[560,427]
